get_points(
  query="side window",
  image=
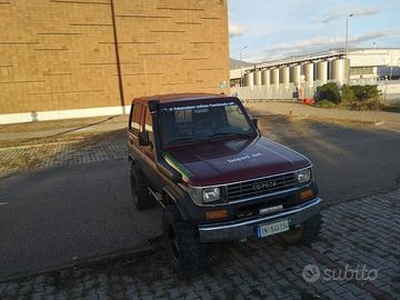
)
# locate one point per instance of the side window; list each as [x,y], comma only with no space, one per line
[135,120]
[149,122]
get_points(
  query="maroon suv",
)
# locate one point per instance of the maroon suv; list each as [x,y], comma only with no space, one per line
[203,159]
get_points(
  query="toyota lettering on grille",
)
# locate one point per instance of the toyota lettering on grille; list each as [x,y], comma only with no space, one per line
[264,185]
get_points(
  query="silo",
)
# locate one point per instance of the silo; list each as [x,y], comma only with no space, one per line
[295,73]
[257,78]
[265,77]
[338,70]
[309,72]
[275,76]
[249,79]
[322,71]
[285,75]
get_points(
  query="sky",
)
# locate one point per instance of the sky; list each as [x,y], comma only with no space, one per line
[275,29]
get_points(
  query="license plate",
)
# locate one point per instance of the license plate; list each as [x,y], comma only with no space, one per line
[272,228]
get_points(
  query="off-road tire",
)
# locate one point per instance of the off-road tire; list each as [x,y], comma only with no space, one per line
[139,187]
[306,234]
[186,253]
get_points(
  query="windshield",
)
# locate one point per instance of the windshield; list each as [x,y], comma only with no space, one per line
[205,121]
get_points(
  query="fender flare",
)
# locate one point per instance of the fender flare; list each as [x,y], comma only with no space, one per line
[173,198]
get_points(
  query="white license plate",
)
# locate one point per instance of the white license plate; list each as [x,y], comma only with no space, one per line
[272,228]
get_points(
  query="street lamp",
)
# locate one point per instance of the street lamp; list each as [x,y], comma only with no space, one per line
[241,71]
[347,72]
[347,33]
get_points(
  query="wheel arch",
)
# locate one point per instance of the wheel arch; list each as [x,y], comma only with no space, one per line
[170,197]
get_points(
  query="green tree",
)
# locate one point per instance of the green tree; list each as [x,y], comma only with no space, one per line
[365,92]
[330,91]
[348,96]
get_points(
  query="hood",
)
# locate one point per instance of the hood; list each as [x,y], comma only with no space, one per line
[222,162]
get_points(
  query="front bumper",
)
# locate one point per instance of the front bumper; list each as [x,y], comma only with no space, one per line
[238,230]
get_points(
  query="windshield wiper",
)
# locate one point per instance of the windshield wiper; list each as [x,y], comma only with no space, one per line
[232,134]
[222,134]
[182,140]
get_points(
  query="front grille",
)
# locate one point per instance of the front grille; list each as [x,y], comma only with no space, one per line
[260,187]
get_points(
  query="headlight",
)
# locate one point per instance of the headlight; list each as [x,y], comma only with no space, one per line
[211,194]
[207,195]
[304,176]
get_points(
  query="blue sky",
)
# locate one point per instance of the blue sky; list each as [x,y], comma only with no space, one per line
[273,29]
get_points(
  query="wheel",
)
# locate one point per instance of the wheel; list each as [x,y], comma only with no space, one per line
[306,233]
[186,252]
[140,194]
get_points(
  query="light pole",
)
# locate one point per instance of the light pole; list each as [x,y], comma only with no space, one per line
[347,68]
[241,71]
[347,33]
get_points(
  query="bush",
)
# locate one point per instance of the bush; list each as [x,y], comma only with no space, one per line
[357,97]
[365,92]
[369,104]
[348,96]
[330,92]
[326,104]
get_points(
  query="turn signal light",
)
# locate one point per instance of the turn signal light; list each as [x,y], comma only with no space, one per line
[307,194]
[216,214]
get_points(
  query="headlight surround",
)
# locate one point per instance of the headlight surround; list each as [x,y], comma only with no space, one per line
[303,176]
[204,195]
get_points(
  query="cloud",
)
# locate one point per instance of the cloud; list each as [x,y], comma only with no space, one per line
[297,47]
[374,34]
[237,30]
[341,15]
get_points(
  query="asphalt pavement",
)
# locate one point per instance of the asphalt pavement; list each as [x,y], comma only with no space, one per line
[72,199]
[56,216]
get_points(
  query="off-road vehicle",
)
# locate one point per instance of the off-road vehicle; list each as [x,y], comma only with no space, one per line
[203,159]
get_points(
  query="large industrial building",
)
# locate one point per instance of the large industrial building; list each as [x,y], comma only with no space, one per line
[79,58]
[300,76]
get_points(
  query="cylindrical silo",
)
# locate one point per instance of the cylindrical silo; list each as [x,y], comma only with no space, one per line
[322,71]
[249,79]
[257,78]
[295,73]
[309,72]
[275,76]
[265,77]
[338,70]
[285,75]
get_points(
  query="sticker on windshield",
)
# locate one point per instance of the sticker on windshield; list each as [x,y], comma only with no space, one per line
[199,106]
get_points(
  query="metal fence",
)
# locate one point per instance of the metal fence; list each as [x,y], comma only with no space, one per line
[390,91]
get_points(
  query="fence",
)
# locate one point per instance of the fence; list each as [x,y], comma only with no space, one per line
[390,91]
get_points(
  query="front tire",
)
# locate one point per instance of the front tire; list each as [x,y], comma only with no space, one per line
[183,246]
[139,188]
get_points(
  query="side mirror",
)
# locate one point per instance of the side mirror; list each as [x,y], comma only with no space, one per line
[255,122]
[144,138]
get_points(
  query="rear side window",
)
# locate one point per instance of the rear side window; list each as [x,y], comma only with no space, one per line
[135,120]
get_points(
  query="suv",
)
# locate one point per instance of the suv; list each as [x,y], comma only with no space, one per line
[203,159]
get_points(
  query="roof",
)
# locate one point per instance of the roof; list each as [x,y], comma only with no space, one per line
[180,97]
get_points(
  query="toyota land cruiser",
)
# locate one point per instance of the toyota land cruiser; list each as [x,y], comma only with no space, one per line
[203,159]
